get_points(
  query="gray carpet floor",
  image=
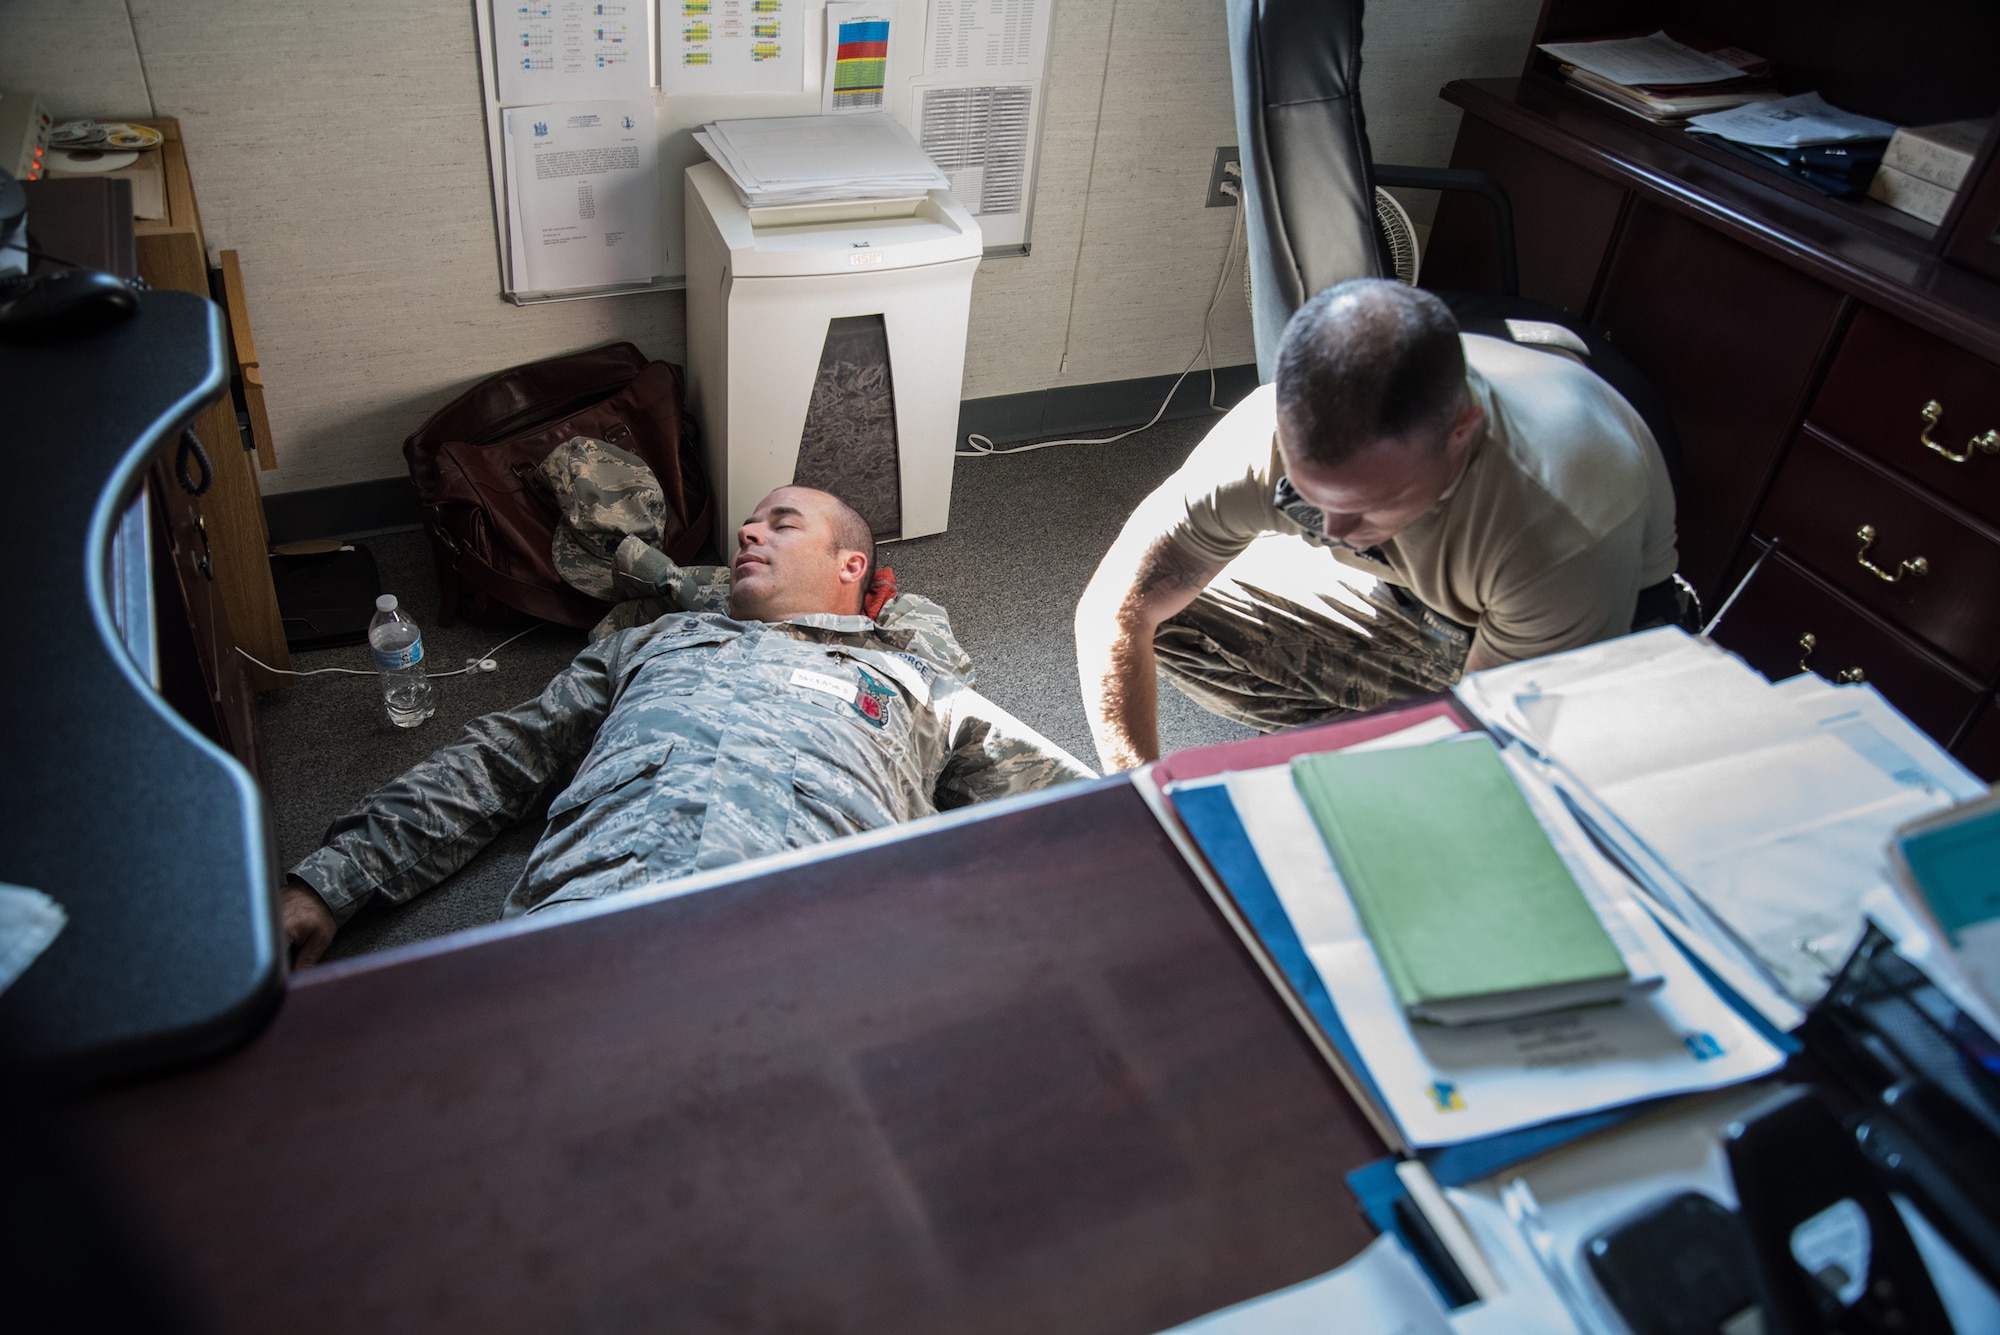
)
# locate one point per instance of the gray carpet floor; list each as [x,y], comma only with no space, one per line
[1026,532]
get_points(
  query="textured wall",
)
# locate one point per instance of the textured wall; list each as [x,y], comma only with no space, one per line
[340,149]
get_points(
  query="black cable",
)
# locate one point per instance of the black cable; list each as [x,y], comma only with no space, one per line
[34,253]
[191,449]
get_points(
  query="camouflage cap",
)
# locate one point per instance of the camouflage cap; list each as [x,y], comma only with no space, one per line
[605,495]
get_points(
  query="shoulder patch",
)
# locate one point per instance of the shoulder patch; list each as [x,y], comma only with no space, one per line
[872,700]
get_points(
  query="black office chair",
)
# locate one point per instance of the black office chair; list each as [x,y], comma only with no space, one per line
[1309,187]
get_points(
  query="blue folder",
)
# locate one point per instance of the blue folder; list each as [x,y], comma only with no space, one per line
[1209,815]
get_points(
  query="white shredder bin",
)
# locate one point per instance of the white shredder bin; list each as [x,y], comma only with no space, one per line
[761,293]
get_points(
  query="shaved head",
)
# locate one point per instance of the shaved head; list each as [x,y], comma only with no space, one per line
[1367,361]
[802,551]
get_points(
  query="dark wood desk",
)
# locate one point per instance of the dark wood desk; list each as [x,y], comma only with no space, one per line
[1009,1072]
[1805,346]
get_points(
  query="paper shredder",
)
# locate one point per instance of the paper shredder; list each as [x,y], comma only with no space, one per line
[826,347]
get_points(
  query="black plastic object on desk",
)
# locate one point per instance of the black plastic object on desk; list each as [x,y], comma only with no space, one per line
[1832,1254]
[152,839]
[1928,1078]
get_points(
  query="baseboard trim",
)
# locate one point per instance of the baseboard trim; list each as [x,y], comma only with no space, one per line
[1012,419]
[389,504]
[353,510]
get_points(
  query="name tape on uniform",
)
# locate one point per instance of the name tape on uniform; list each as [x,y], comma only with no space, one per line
[820,681]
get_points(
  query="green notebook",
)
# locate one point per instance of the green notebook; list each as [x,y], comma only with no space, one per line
[1470,909]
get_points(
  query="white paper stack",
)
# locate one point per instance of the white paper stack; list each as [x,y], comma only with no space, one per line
[1758,815]
[819,159]
[1445,1085]
[1792,122]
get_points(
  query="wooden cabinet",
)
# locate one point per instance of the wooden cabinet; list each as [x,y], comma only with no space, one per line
[1889,548]
[173,254]
[1919,406]
[1790,621]
[1832,373]
[1731,338]
[200,673]
[1980,747]
[1564,220]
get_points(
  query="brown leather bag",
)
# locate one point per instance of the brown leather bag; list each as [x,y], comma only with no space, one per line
[489,520]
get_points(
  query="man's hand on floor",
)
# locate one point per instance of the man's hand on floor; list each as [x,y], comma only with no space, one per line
[309,927]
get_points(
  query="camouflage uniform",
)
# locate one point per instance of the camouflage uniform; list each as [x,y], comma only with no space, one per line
[704,741]
[607,546]
[1286,635]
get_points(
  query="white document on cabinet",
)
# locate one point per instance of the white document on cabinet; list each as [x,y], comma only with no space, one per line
[584,194]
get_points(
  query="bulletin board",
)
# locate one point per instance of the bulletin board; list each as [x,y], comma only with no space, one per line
[968,78]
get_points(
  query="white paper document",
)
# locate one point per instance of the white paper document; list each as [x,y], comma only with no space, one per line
[981,138]
[1791,122]
[804,159]
[1447,1085]
[570,50]
[583,186]
[1643,61]
[732,46]
[982,39]
[1771,806]
[860,68]
[1380,1292]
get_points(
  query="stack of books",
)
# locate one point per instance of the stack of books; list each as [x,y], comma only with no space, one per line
[1924,165]
[1664,78]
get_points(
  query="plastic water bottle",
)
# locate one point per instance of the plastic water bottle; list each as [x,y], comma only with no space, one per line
[399,657]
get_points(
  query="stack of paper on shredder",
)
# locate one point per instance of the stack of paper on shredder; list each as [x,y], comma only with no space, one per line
[819,159]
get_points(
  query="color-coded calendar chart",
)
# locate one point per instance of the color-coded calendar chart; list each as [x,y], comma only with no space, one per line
[860,64]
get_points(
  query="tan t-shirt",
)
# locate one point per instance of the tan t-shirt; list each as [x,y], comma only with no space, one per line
[1562,514]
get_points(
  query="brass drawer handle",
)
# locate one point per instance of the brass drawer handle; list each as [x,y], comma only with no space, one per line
[1915,565]
[1986,444]
[1845,677]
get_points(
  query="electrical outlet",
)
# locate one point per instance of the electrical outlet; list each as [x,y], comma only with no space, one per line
[1224,157]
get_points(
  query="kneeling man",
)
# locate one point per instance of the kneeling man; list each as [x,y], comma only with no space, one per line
[1403,505]
[719,732]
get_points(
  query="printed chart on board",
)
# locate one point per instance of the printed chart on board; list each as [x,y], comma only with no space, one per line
[976,109]
[967,77]
[571,50]
[732,46]
[857,57]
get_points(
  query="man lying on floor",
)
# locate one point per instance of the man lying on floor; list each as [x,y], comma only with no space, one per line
[722,731]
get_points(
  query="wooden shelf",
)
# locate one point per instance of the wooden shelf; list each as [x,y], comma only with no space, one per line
[173,254]
[1833,240]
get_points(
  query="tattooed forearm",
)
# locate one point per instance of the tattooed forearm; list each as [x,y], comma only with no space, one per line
[1167,568]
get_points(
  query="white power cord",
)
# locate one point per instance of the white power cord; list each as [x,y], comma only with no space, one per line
[484,663]
[981,445]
